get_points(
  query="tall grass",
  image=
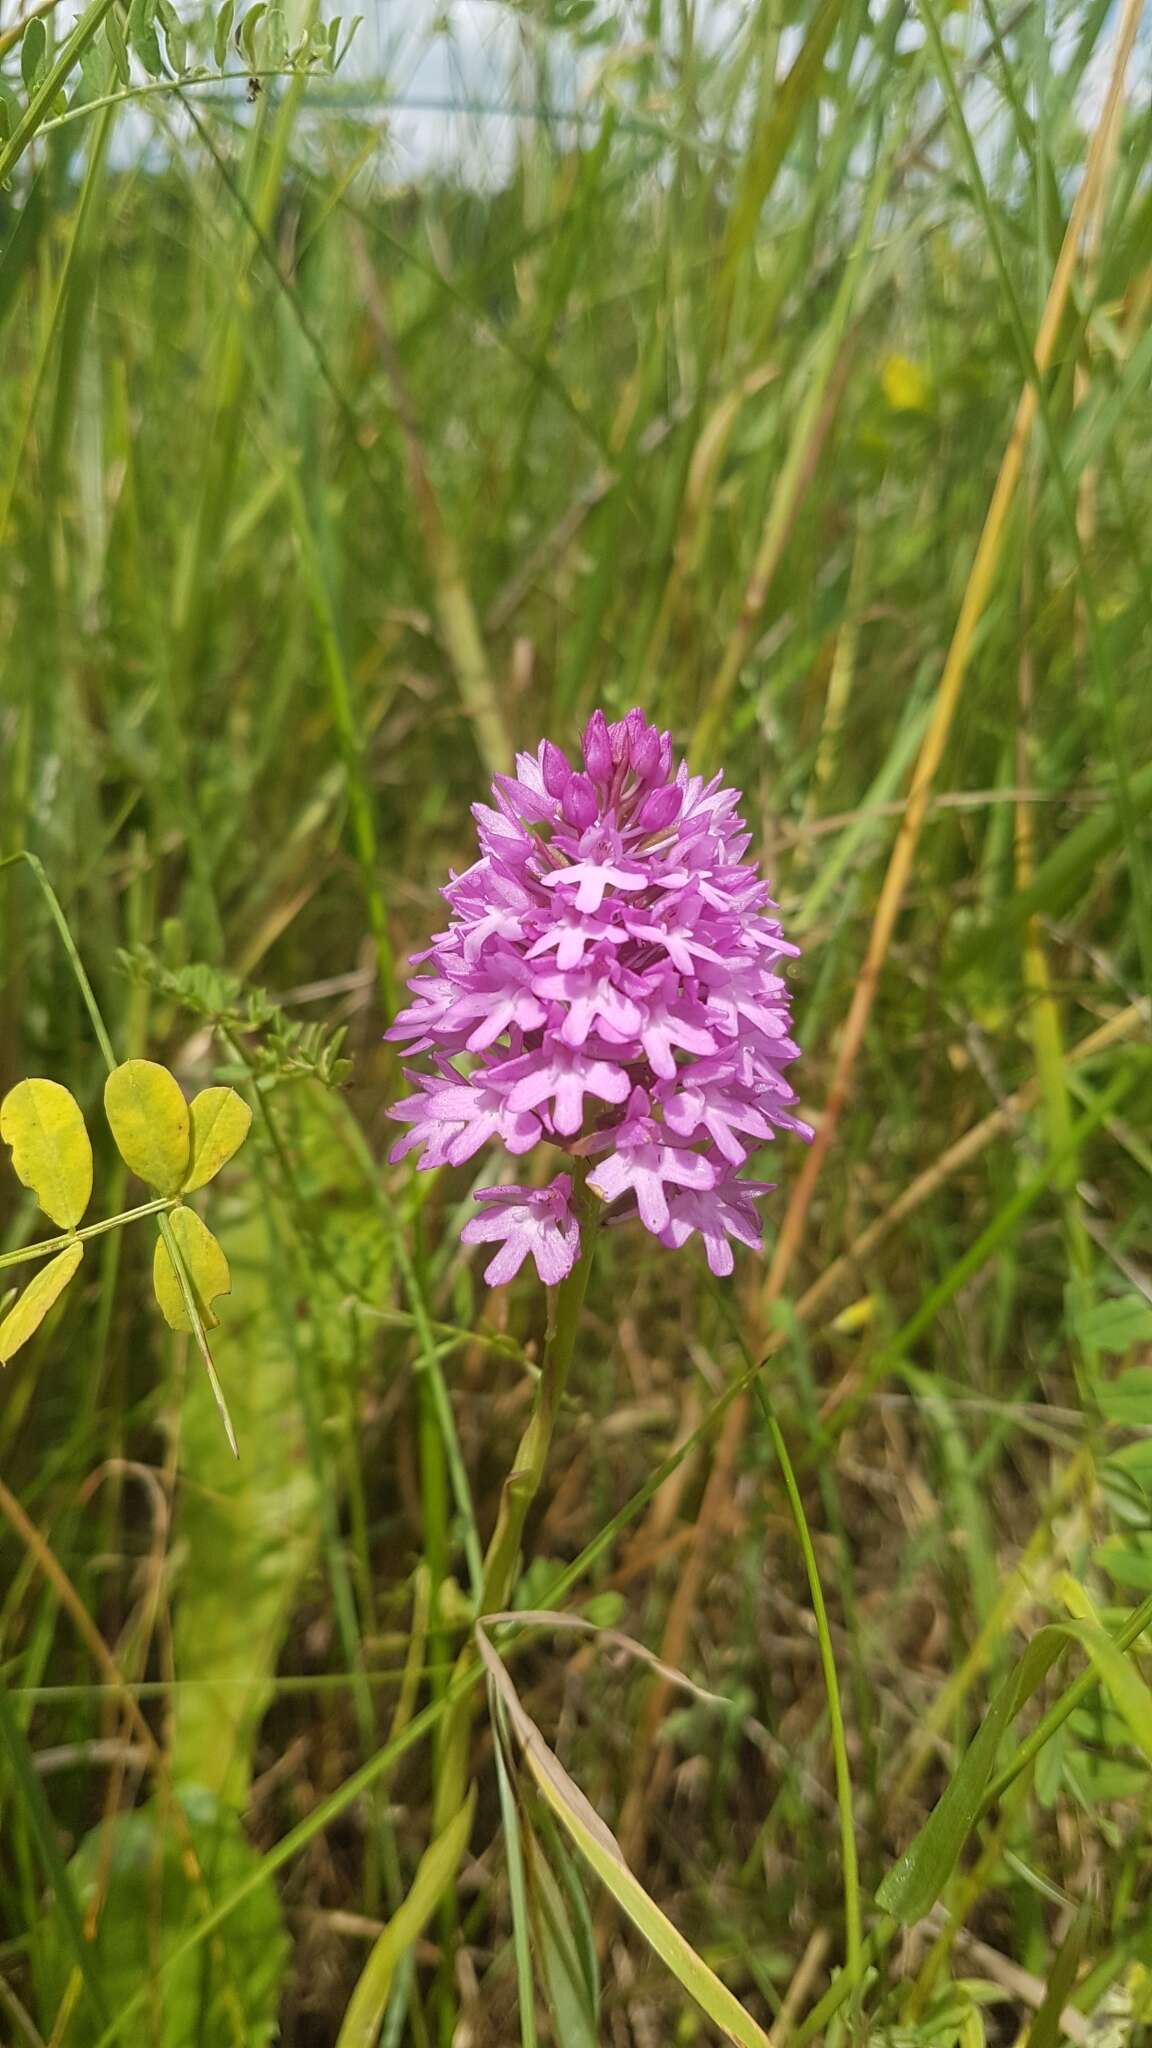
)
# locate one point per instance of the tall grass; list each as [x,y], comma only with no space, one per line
[785,372]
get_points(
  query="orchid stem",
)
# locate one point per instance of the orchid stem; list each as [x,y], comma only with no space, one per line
[521,1487]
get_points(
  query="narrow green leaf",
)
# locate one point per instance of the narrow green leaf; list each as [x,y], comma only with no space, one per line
[150,1123]
[175,36]
[51,1152]
[143,38]
[348,40]
[771,141]
[224,22]
[170,1242]
[221,1120]
[434,1874]
[913,1885]
[275,34]
[1046,2030]
[517,1888]
[248,31]
[206,1267]
[98,69]
[33,52]
[567,1972]
[38,1297]
[119,49]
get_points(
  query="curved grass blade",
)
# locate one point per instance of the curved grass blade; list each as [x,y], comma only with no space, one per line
[434,1873]
[599,1848]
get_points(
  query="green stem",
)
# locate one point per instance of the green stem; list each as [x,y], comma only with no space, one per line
[69,944]
[848,1859]
[521,1487]
[26,1252]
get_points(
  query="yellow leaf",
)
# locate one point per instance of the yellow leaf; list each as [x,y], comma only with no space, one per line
[51,1153]
[221,1121]
[904,385]
[206,1266]
[150,1123]
[25,1319]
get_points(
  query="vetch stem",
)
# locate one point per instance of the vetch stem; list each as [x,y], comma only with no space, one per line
[25,1253]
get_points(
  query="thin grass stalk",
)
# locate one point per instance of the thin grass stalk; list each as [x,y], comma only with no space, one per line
[981,580]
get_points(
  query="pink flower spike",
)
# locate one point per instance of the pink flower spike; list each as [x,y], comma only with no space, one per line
[528,1220]
[608,982]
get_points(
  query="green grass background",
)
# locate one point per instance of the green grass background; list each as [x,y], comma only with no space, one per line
[326,481]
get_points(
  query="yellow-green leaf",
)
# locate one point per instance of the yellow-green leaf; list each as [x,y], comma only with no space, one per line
[221,1120]
[25,1319]
[599,1847]
[434,1873]
[150,1123]
[206,1266]
[51,1152]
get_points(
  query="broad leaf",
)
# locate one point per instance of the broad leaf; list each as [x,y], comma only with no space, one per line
[1127,1559]
[223,1992]
[249,1533]
[150,1123]
[1127,1398]
[38,1297]
[1117,1325]
[206,1266]
[51,1152]
[221,1120]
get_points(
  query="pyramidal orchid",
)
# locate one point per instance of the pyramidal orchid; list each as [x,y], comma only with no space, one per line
[608,983]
